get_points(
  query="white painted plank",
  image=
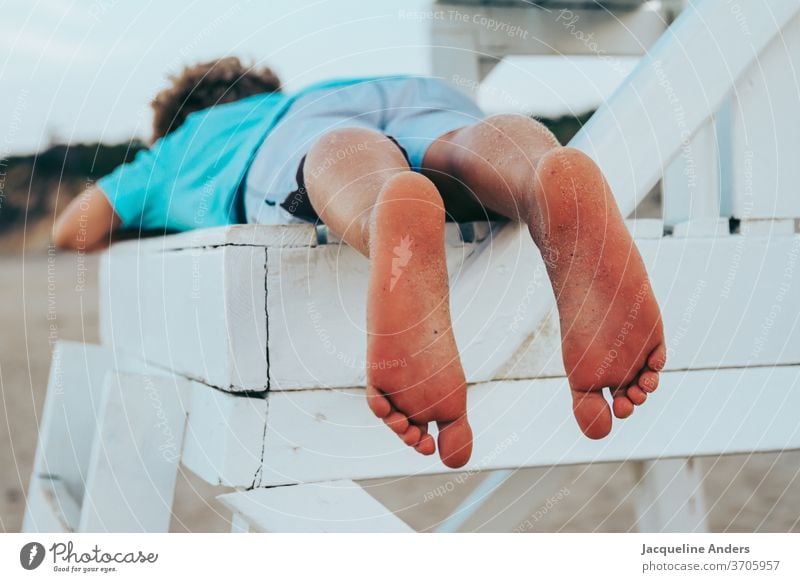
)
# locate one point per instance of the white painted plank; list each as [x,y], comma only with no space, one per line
[497,300]
[316,300]
[68,424]
[257,235]
[199,312]
[765,132]
[322,435]
[334,507]
[691,183]
[224,436]
[731,301]
[246,319]
[134,460]
[317,319]
[202,316]
[540,354]
[669,497]
[316,307]
[699,283]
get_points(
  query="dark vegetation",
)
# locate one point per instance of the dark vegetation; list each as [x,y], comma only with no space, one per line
[33,187]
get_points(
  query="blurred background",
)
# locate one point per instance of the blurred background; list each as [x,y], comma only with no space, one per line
[76,78]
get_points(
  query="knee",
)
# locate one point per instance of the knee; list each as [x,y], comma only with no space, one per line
[520,129]
[349,144]
[345,138]
[563,161]
[515,145]
[511,143]
[569,179]
[506,122]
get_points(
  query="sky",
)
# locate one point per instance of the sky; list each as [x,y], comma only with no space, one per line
[85,70]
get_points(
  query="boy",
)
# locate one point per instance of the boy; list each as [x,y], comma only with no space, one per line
[382,162]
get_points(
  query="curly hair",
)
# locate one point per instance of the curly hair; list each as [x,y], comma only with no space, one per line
[206,84]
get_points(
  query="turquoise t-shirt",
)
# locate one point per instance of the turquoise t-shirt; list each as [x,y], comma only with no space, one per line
[190,178]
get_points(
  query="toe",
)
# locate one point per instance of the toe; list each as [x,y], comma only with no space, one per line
[397,421]
[592,413]
[455,442]
[658,358]
[622,405]
[412,435]
[426,445]
[637,395]
[648,381]
[378,403]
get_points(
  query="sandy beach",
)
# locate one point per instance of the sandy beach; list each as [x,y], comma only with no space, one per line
[49,297]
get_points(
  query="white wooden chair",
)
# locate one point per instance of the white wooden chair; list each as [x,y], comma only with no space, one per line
[238,351]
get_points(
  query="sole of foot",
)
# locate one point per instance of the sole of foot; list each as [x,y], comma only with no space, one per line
[414,373]
[611,329]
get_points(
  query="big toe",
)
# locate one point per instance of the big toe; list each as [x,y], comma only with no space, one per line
[592,413]
[455,442]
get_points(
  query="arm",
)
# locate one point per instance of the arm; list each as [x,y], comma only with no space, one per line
[86,223]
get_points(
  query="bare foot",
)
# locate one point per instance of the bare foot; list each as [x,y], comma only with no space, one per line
[611,330]
[414,374]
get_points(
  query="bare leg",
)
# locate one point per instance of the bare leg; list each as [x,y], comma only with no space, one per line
[611,326]
[361,186]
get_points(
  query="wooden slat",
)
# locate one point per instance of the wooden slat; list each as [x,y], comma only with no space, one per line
[199,312]
[699,284]
[224,436]
[765,132]
[322,435]
[317,318]
[691,186]
[316,303]
[334,507]
[134,460]
[202,313]
[284,235]
[68,425]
